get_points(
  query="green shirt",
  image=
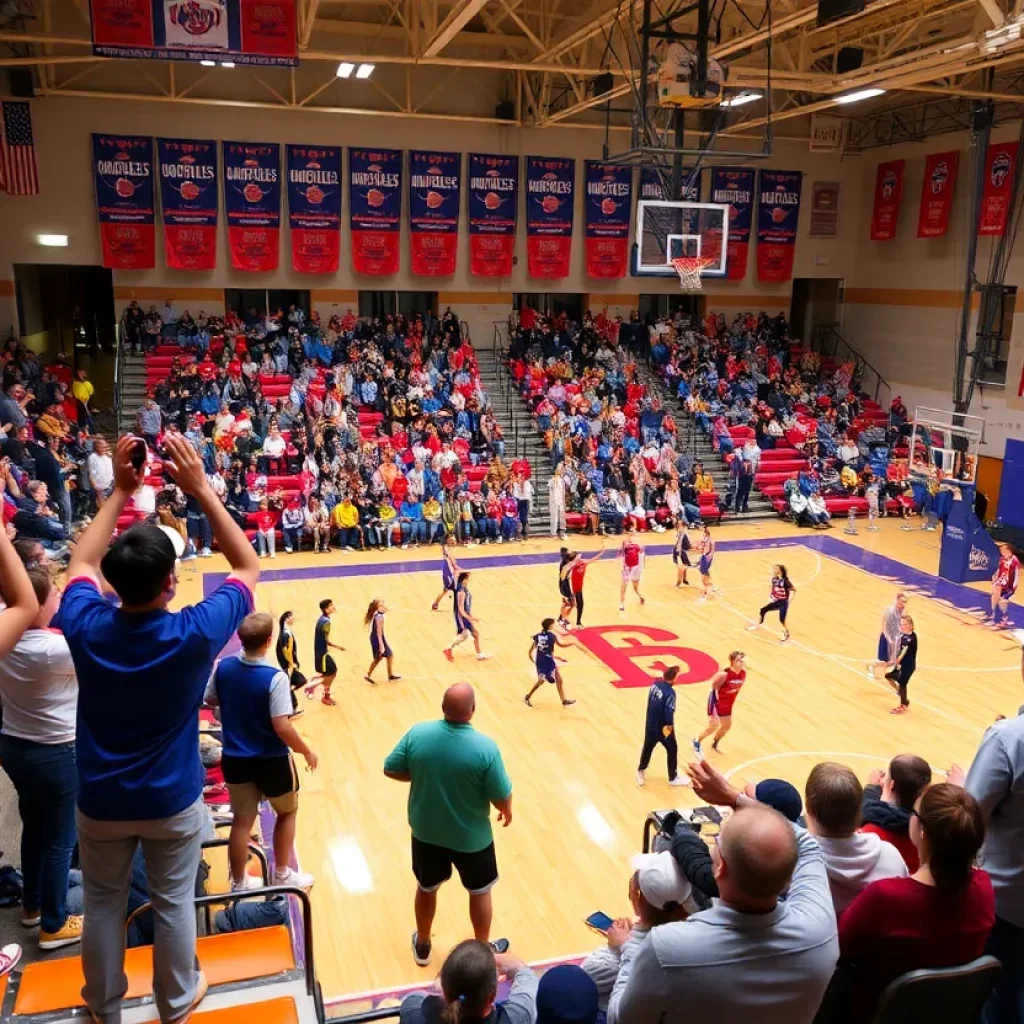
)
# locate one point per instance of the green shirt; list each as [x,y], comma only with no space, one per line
[457,773]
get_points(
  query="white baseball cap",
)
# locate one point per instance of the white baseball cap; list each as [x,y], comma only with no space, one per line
[660,879]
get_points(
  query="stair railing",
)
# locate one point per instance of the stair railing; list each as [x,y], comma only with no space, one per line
[118,374]
[827,341]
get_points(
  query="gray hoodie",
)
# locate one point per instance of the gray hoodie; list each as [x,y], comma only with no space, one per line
[856,862]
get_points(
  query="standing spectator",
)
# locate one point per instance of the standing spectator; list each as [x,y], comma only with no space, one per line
[255,705]
[939,917]
[100,469]
[456,774]
[522,491]
[660,728]
[889,799]
[83,390]
[556,503]
[751,956]
[853,859]
[744,482]
[139,772]
[149,419]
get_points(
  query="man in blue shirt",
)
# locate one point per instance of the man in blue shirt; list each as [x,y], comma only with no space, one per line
[141,674]
[661,728]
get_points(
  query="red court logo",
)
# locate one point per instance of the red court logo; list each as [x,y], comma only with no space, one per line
[643,652]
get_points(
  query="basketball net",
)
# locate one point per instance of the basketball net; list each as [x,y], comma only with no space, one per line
[689,268]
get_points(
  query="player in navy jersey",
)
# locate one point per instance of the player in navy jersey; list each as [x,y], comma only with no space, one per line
[379,646]
[567,561]
[781,594]
[542,650]
[903,667]
[449,572]
[660,727]
[465,622]
[707,557]
[324,664]
[680,556]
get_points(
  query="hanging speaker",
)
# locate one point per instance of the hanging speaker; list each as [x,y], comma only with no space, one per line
[20,83]
[848,59]
[505,111]
[833,10]
[602,83]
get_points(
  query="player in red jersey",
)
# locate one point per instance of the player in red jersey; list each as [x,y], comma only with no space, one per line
[577,574]
[1004,585]
[632,555]
[725,687]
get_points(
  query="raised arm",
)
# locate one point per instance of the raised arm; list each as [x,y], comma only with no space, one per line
[21,599]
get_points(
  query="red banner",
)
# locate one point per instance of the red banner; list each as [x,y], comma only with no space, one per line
[128,246]
[996,199]
[888,194]
[491,255]
[550,202]
[937,194]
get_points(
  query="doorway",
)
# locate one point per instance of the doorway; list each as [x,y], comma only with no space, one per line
[551,304]
[654,306]
[260,302]
[384,304]
[816,302]
[65,309]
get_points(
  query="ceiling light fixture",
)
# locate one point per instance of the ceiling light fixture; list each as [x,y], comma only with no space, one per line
[860,94]
[364,70]
[56,241]
[345,69]
[740,99]
[227,64]
[208,63]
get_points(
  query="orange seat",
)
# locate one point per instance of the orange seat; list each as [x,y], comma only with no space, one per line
[273,1011]
[235,956]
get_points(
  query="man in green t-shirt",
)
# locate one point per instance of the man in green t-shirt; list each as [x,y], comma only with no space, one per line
[456,775]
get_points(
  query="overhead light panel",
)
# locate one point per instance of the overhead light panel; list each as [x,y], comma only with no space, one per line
[860,94]
[364,70]
[740,99]
[55,241]
[345,69]
[227,64]
[208,63]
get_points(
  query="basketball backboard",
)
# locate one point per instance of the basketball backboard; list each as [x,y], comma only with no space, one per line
[666,230]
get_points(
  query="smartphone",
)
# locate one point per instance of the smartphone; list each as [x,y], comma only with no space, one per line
[138,454]
[599,921]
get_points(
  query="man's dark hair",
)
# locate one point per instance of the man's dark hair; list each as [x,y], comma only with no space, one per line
[834,796]
[42,582]
[137,564]
[27,549]
[910,775]
[670,673]
[325,604]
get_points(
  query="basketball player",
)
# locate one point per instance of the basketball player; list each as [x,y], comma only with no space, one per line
[781,593]
[679,553]
[903,667]
[707,556]
[632,555]
[889,638]
[1004,586]
[465,623]
[449,570]
[326,670]
[661,728]
[566,562]
[725,687]
[543,644]
[379,647]
[577,574]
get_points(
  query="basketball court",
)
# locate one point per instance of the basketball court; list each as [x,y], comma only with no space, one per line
[578,813]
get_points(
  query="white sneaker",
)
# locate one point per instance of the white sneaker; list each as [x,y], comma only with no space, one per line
[483,657]
[753,626]
[641,779]
[246,882]
[287,551]
[206,553]
[290,876]
[1018,635]
[273,554]
[680,780]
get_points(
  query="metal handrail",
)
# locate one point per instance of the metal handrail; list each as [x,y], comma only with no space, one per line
[828,334]
[118,374]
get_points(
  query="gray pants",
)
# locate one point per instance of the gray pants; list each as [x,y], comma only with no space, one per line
[556,517]
[172,848]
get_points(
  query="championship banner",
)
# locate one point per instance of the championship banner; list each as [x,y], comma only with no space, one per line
[888,195]
[375,209]
[314,207]
[260,32]
[550,204]
[651,188]
[937,194]
[609,203]
[493,206]
[123,169]
[778,213]
[252,199]
[434,183]
[998,186]
[188,201]
[735,186]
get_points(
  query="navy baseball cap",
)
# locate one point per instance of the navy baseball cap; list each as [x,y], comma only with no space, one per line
[781,795]
[566,995]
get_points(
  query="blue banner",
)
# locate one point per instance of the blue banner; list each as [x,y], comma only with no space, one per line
[435,181]
[375,209]
[125,199]
[188,201]
[735,187]
[314,207]
[609,203]
[651,188]
[778,212]
[493,209]
[252,201]
[550,204]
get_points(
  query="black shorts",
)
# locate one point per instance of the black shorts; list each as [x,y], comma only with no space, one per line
[273,776]
[432,866]
[565,589]
[681,558]
[325,666]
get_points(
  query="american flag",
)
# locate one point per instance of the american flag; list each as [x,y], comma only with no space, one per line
[18,173]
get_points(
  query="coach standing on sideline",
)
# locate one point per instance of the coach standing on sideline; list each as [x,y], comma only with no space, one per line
[661,728]
[456,774]
[141,675]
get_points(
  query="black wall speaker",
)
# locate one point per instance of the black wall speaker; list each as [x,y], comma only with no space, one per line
[848,59]
[505,111]
[602,84]
[832,10]
[20,81]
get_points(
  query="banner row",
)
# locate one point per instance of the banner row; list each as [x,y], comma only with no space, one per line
[191,173]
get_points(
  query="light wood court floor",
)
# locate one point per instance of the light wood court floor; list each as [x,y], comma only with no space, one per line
[578,811]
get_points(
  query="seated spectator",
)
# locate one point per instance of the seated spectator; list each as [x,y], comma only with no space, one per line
[345,518]
[469,987]
[940,916]
[853,859]
[36,517]
[566,995]
[889,799]
[266,527]
[659,894]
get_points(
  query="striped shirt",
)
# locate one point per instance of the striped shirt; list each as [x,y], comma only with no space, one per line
[891,625]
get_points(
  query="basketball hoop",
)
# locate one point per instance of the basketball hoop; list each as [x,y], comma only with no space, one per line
[689,268]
